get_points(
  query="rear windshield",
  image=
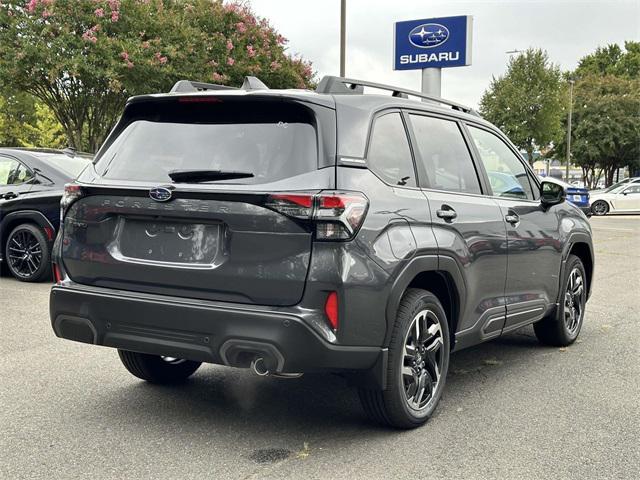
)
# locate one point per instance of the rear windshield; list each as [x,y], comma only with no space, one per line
[271,140]
[72,166]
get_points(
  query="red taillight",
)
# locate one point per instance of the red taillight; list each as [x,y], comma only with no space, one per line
[57,276]
[72,192]
[331,310]
[301,200]
[199,100]
[338,215]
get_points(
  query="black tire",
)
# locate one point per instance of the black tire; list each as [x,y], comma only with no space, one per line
[394,406]
[563,327]
[599,208]
[28,242]
[157,369]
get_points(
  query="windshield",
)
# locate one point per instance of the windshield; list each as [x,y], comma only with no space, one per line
[616,186]
[69,165]
[271,144]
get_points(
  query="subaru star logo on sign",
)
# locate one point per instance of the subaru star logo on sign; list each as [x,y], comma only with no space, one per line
[432,43]
[160,194]
[429,35]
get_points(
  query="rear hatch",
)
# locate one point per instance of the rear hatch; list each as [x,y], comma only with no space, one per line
[134,228]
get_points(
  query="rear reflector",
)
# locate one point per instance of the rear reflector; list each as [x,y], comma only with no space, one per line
[331,310]
[49,232]
[56,274]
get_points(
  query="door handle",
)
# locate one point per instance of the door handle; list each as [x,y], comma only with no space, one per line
[10,195]
[446,213]
[512,218]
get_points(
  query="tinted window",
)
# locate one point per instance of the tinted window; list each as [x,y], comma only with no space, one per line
[445,155]
[271,141]
[507,174]
[389,154]
[13,172]
[70,165]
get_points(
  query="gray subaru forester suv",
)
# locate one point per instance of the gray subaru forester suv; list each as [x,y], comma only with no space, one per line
[292,231]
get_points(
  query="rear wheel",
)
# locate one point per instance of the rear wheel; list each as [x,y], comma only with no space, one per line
[600,207]
[157,369]
[563,327]
[418,364]
[27,254]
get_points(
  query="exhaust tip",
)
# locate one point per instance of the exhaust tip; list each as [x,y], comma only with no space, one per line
[259,368]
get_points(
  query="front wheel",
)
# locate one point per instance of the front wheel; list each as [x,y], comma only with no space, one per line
[600,207]
[157,369]
[563,327]
[418,364]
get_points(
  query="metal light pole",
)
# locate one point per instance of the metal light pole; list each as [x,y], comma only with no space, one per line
[566,176]
[343,28]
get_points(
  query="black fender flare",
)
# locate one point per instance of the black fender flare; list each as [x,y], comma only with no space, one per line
[415,266]
[572,239]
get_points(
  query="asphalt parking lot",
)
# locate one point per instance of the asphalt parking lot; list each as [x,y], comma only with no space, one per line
[511,409]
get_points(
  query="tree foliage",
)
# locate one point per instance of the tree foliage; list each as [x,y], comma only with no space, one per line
[606,113]
[83,59]
[527,102]
[611,60]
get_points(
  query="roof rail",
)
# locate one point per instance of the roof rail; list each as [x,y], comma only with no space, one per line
[340,85]
[249,83]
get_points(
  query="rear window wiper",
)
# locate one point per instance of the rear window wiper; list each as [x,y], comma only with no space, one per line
[196,176]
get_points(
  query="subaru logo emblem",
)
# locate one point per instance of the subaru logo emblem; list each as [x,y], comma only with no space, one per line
[429,35]
[160,194]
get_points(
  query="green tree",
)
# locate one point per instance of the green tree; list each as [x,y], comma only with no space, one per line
[527,102]
[606,132]
[606,113]
[84,59]
[16,111]
[611,60]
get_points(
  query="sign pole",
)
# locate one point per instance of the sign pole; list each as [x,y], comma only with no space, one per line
[432,81]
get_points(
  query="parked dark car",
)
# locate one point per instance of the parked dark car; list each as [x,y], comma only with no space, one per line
[31,185]
[293,231]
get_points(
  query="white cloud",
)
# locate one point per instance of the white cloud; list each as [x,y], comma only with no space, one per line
[568,30]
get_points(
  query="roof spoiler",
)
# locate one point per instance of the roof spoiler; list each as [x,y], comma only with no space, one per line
[186,86]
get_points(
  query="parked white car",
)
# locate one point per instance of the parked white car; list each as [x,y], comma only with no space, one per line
[621,199]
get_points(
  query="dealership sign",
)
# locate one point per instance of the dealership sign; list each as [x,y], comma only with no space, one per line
[432,43]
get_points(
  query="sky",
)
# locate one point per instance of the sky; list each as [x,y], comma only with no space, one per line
[567,29]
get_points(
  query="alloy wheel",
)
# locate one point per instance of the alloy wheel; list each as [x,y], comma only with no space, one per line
[600,208]
[423,360]
[24,253]
[574,301]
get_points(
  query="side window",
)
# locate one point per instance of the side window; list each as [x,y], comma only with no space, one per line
[445,155]
[632,189]
[389,154]
[534,187]
[13,172]
[507,175]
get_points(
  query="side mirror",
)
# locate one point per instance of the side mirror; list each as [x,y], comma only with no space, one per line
[552,194]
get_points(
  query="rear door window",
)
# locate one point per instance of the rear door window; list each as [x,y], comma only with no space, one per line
[13,172]
[271,140]
[507,174]
[389,154]
[444,154]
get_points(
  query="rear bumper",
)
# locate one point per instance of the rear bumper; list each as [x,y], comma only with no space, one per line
[201,330]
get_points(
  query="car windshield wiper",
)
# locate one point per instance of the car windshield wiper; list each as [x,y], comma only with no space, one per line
[196,176]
